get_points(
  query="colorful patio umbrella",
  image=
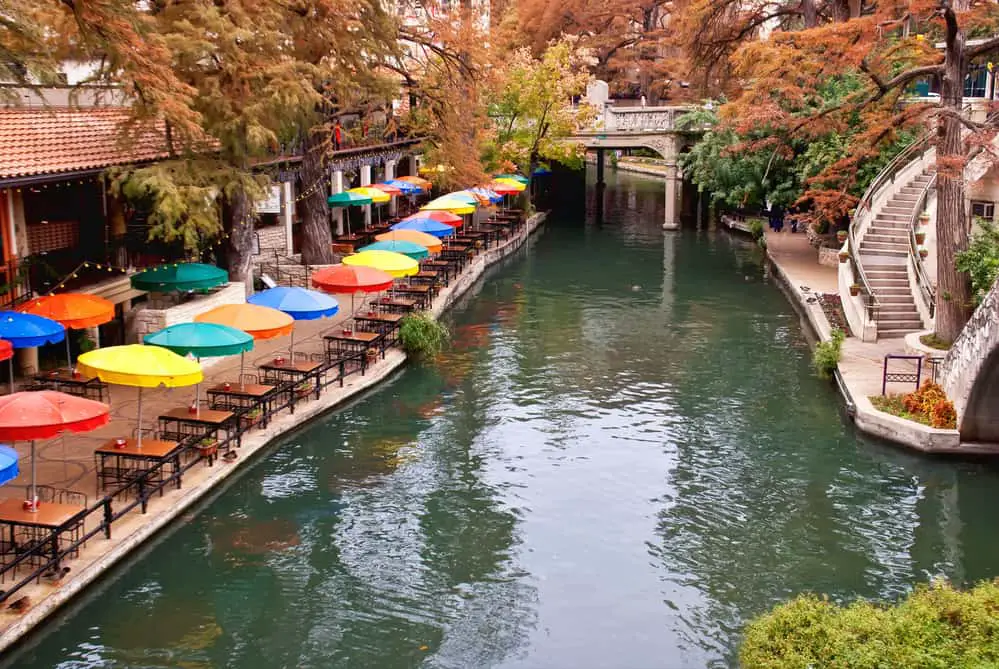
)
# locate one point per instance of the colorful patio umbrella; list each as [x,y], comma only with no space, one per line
[28,330]
[353,280]
[405,186]
[176,277]
[488,193]
[395,264]
[347,199]
[76,311]
[512,177]
[7,353]
[541,169]
[447,217]
[504,188]
[432,243]
[417,181]
[452,205]
[469,196]
[140,367]
[409,249]
[301,304]
[202,340]
[41,414]
[8,464]
[261,322]
[389,189]
[376,196]
[513,183]
[425,226]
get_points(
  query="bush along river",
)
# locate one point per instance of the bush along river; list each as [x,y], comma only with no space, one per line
[622,458]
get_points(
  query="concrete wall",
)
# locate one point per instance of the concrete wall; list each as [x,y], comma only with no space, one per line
[147,319]
[970,373]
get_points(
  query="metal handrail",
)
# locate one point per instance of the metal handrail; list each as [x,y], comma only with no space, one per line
[886,176]
[922,280]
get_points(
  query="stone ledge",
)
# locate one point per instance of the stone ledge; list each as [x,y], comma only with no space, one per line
[915,347]
[910,433]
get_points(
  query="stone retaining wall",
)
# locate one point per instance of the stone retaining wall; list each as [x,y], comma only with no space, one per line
[147,318]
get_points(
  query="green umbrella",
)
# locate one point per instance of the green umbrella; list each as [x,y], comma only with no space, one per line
[410,249]
[178,277]
[347,199]
[515,177]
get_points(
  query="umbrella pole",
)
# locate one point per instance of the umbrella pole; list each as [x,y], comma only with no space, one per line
[34,488]
[140,417]
[291,347]
[197,393]
[69,356]
[242,357]
[11,363]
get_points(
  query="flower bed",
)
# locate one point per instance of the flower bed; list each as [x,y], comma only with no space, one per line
[928,405]
[832,307]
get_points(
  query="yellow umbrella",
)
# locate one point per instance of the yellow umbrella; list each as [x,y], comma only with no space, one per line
[140,366]
[449,204]
[512,183]
[389,262]
[377,196]
[432,243]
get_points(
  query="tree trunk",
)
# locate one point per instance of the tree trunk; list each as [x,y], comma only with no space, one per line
[317,240]
[240,216]
[809,13]
[953,293]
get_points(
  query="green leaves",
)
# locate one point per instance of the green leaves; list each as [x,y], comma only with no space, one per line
[981,260]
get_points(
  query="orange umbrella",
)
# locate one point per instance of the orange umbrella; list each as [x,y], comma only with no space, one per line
[432,243]
[253,319]
[75,311]
[419,181]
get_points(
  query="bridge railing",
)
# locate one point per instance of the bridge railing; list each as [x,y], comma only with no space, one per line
[639,119]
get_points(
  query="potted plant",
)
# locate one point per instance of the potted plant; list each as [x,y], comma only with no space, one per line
[923,253]
[372,354]
[841,236]
[252,417]
[924,218]
[920,237]
[303,389]
[855,289]
[844,256]
[208,446]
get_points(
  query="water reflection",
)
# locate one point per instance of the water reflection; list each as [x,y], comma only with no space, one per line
[622,459]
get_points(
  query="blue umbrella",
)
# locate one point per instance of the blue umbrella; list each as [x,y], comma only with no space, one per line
[493,196]
[28,330]
[8,464]
[301,304]
[426,225]
[406,187]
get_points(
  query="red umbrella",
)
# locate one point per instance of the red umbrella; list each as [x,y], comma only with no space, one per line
[386,188]
[446,217]
[351,279]
[46,413]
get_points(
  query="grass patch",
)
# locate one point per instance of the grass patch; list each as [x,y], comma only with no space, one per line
[895,405]
[933,341]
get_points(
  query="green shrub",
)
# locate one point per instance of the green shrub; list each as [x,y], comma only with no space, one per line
[935,626]
[422,336]
[981,260]
[755,228]
[827,354]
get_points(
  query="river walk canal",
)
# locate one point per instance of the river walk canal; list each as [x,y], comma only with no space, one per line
[623,458]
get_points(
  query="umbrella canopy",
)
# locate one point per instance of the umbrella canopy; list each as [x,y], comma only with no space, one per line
[406,187]
[452,205]
[410,249]
[347,279]
[432,243]
[417,181]
[469,196]
[487,193]
[261,322]
[425,226]
[541,169]
[202,340]
[179,277]
[512,177]
[41,414]
[389,262]
[377,196]
[6,350]
[504,188]
[347,199]
[513,183]
[388,188]
[140,366]
[74,310]
[28,330]
[8,464]
[447,217]
[301,304]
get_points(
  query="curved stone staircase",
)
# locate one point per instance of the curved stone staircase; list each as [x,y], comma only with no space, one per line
[884,252]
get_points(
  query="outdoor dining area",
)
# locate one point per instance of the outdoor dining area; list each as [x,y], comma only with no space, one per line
[137,454]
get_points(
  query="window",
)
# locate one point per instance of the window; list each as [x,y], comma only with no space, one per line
[982,209]
[974,82]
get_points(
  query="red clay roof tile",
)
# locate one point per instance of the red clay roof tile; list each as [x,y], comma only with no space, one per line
[36,140]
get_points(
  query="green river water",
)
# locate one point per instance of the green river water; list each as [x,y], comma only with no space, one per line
[623,458]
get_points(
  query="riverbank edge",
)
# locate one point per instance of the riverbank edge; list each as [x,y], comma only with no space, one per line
[254,445]
[869,420]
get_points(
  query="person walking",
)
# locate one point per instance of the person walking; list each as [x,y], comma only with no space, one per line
[337,136]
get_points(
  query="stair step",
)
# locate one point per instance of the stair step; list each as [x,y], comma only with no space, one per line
[886,238]
[893,311]
[908,324]
[894,334]
[889,228]
[901,298]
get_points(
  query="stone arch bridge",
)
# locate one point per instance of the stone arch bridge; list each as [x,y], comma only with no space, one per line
[652,128]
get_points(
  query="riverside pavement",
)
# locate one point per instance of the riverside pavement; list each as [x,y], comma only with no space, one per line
[69,462]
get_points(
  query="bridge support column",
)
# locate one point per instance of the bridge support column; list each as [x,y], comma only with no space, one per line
[336,186]
[600,167]
[601,186]
[366,181]
[674,191]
